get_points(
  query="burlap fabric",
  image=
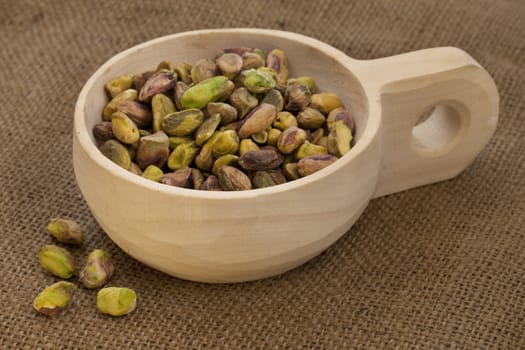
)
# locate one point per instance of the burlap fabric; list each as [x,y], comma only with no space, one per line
[438,267]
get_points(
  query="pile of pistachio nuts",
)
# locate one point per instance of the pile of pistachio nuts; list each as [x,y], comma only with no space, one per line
[234,123]
[97,271]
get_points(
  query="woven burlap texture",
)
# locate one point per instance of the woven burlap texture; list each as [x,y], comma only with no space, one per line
[437,267]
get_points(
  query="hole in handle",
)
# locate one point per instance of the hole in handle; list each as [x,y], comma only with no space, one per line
[436,129]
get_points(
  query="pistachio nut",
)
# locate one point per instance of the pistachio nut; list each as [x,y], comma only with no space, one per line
[207,128]
[310,118]
[291,139]
[251,57]
[158,83]
[227,142]
[309,149]
[273,136]
[183,70]
[204,160]
[140,79]
[284,120]
[261,137]
[297,97]
[153,173]
[135,169]
[182,123]
[112,106]
[227,159]
[116,301]
[132,150]
[232,126]
[178,178]
[252,60]
[144,132]
[290,171]
[103,131]
[238,50]
[266,158]
[227,112]
[288,158]
[166,66]
[267,178]
[178,91]
[311,164]
[309,82]
[247,145]
[323,141]
[232,179]
[209,90]
[174,141]
[66,231]
[124,128]
[202,70]
[243,101]
[116,85]
[339,139]
[260,118]
[257,81]
[275,98]
[153,150]
[229,64]
[277,60]
[211,184]
[282,90]
[340,114]
[161,106]
[182,156]
[272,73]
[55,298]
[325,102]
[315,136]
[117,153]
[197,178]
[57,260]
[98,269]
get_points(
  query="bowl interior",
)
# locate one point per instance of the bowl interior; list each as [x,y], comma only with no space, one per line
[306,56]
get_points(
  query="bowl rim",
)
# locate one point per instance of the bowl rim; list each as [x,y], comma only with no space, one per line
[83,136]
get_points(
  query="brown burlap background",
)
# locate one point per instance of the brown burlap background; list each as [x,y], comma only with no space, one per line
[438,267]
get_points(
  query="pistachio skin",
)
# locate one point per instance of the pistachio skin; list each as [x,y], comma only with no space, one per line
[291,139]
[339,139]
[161,106]
[325,102]
[160,82]
[111,107]
[116,301]
[55,298]
[153,150]
[117,153]
[312,164]
[116,85]
[182,123]
[278,61]
[257,120]
[232,179]
[66,231]
[57,261]
[210,90]
[153,173]
[98,269]
[124,128]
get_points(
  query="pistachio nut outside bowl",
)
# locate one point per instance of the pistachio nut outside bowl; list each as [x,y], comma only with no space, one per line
[247,235]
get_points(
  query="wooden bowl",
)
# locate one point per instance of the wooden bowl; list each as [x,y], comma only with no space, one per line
[241,236]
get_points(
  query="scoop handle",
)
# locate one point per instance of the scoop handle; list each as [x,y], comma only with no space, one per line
[465,101]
